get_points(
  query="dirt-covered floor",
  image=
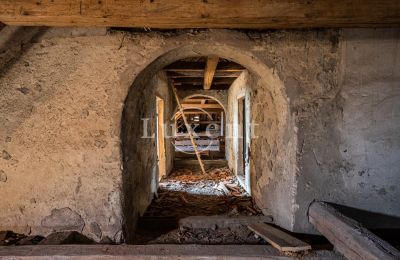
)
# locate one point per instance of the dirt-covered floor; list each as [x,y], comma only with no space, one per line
[186,193]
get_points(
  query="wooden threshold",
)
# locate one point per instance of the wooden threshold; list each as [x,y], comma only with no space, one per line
[118,252]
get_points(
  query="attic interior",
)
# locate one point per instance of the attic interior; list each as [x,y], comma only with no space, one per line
[262,129]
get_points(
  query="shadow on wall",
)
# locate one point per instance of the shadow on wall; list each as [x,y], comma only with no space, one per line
[139,154]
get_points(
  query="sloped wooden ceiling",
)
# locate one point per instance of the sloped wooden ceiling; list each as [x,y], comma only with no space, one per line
[251,14]
[192,73]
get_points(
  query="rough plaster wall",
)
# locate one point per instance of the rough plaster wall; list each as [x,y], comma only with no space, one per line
[267,167]
[13,41]
[140,147]
[241,86]
[307,63]
[62,101]
[59,137]
[355,161]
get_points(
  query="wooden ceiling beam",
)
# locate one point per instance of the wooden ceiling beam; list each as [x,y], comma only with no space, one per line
[190,66]
[211,66]
[198,80]
[261,14]
[197,87]
[200,74]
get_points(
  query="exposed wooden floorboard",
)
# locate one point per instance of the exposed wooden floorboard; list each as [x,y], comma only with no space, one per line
[152,252]
[279,239]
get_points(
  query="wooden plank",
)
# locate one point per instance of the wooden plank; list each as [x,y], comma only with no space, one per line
[261,14]
[199,80]
[279,239]
[200,73]
[347,235]
[146,252]
[221,221]
[197,87]
[212,62]
[201,106]
[201,112]
[190,66]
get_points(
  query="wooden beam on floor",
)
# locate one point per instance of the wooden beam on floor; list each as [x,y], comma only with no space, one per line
[347,235]
[279,239]
[262,14]
[190,131]
[221,221]
[86,252]
[211,66]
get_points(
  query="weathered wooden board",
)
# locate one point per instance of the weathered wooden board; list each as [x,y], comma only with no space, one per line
[348,236]
[211,66]
[261,14]
[279,239]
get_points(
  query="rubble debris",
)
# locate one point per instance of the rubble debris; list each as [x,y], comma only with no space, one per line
[208,236]
[10,238]
[221,221]
[185,193]
[30,240]
[64,238]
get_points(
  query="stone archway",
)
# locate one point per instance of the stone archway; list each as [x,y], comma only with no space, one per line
[273,170]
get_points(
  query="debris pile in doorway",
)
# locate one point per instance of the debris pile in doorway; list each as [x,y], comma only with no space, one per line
[186,193]
[214,196]
[207,236]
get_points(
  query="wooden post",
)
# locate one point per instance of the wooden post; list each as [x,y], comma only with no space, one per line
[189,129]
[348,236]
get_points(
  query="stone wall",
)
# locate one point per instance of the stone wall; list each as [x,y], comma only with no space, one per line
[62,101]
[139,147]
[350,147]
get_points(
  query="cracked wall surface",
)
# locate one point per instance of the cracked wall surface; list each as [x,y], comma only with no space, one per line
[349,148]
[316,92]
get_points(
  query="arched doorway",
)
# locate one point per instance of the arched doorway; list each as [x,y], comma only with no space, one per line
[206,114]
[269,109]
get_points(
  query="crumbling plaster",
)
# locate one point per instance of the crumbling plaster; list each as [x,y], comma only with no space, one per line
[349,149]
[140,175]
[62,100]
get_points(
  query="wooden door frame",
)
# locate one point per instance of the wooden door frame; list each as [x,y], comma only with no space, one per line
[246,183]
[160,140]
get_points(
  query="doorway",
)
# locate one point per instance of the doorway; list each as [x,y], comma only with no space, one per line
[242,167]
[160,138]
